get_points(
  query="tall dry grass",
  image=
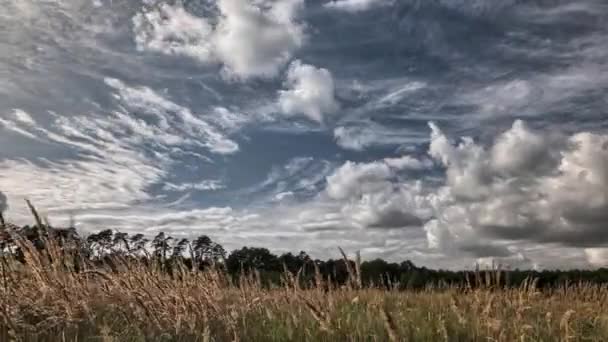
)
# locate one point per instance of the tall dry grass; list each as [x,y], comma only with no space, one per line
[53,298]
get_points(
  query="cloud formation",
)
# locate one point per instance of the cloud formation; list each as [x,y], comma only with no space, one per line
[310,92]
[127,113]
[173,30]
[248,39]
[353,179]
[355,5]
[173,124]
[205,185]
[362,135]
[408,163]
[371,196]
[117,157]
[527,186]
[524,187]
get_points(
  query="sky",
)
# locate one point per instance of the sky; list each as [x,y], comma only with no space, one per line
[446,132]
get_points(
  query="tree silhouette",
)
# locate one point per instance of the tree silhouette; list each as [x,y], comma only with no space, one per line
[138,243]
[161,245]
[246,259]
[121,242]
[102,242]
[180,248]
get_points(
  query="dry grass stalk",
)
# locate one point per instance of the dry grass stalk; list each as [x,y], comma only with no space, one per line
[389,325]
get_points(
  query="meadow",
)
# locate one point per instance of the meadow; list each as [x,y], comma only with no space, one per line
[56,294]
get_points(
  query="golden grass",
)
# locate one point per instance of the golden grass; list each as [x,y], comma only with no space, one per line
[47,300]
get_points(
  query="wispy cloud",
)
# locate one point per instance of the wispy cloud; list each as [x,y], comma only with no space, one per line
[355,5]
[119,155]
[206,185]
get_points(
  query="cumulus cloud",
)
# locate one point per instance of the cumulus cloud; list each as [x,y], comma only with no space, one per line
[310,92]
[248,39]
[356,5]
[389,208]
[525,186]
[354,179]
[534,152]
[254,42]
[370,197]
[528,186]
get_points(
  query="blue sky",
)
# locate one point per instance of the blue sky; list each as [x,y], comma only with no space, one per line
[445,132]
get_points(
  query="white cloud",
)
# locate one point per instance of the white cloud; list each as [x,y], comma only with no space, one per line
[116,156]
[362,135]
[353,179]
[282,196]
[541,92]
[466,164]
[15,128]
[310,92]
[255,42]
[24,117]
[356,5]
[408,163]
[534,152]
[370,197]
[19,122]
[112,176]
[399,93]
[597,257]
[527,186]
[206,185]
[299,176]
[248,39]
[388,208]
[172,30]
[173,124]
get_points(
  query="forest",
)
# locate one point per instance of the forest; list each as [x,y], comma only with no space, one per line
[202,252]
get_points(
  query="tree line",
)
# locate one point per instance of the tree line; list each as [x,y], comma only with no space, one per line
[202,253]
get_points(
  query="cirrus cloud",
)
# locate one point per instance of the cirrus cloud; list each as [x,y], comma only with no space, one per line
[355,5]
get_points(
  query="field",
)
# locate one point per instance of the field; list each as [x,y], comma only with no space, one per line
[51,298]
